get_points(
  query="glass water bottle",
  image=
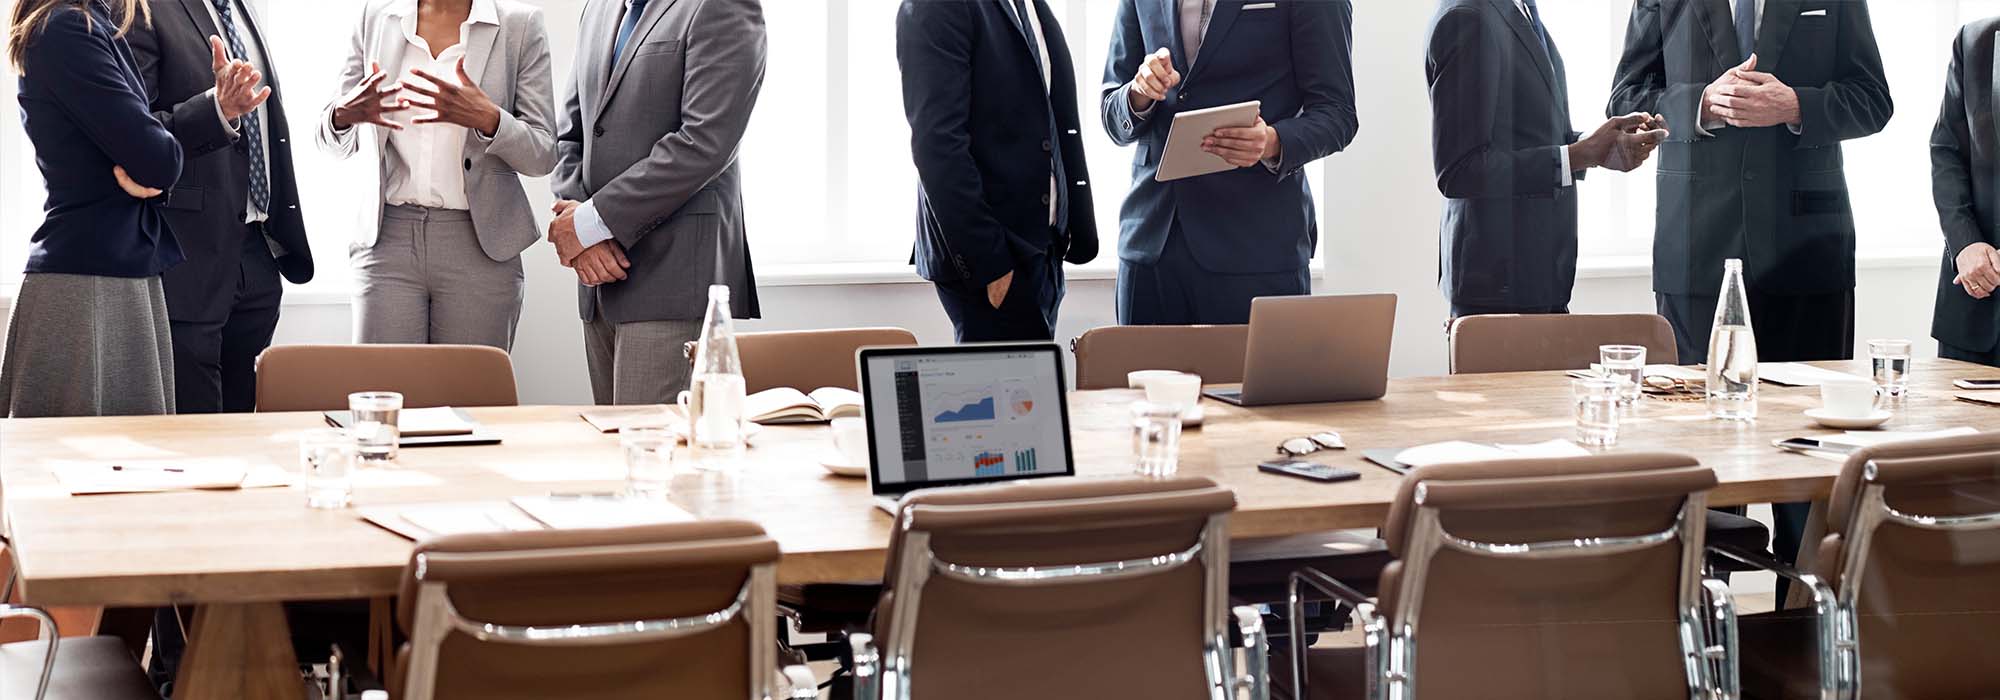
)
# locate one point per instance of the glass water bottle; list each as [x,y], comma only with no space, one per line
[1732,351]
[715,400]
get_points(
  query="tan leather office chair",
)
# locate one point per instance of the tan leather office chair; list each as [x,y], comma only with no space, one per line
[1105,355]
[1066,589]
[319,377]
[1538,342]
[807,360]
[669,611]
[1537,579]
[1906,587]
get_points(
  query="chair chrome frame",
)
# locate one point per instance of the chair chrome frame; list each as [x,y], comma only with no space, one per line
[437,618]
[1835,611]
[884,674]
[49,634]
[1707,611]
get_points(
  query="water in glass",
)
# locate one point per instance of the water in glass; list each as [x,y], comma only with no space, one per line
[1597,406]
[1627,364]
[375,415]
[1156,439]
[1892,366]
[326,465]
[649,460]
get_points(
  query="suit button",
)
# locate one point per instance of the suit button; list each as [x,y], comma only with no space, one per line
[1045,199]
[468,165]
[598,132]
[1047,147]
[1747,177]
[1183,96]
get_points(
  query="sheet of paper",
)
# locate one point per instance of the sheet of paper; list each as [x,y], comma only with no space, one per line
[1450,453]
[149,475]
[441,420]
[1989,397]
[610,418]
[562,512]
[1871,438]
[468,518]
[1546,450]
[1797,374]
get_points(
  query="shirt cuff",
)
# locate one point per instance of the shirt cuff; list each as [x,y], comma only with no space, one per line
[226,124]
[590,228]
[1707,129]
[1568,176]
[1147,113]
[1798,129]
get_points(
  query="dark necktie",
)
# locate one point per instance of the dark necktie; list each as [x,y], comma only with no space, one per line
[1034,42]
[253,127]
[1541,30]
[1746,27]
[1052,145]
[626,28]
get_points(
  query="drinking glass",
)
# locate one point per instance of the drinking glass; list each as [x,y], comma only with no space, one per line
[1156,438]
[326,461]
[1596,400]
[649,460]
[1892,366]
[374,426]
[1627,364]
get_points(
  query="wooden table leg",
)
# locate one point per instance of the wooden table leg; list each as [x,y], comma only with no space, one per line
[239,651]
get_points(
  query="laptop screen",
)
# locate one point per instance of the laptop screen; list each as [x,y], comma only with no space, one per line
[971,414]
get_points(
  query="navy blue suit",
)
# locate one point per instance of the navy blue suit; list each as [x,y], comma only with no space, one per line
[1196,250]
[987,134]
[84,108]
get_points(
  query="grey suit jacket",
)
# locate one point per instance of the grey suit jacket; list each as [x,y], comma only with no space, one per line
[511,63]
[651,137]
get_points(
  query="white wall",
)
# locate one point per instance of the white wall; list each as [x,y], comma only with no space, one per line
[1379,226]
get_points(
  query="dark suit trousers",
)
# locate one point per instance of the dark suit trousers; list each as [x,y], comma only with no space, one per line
[1989,357]
[1463,310]
[1177,290]
[1790,328]
[1028,312]
[215,362]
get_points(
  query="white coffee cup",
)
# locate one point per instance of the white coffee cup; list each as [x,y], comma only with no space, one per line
[850,435]
[1141,378]
[1848,399]
[1177,389]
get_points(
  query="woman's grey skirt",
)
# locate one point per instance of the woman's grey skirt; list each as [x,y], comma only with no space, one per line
[80,345]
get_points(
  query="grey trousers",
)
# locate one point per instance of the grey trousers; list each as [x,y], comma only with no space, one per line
[82,345]
[426,280]
[637,363]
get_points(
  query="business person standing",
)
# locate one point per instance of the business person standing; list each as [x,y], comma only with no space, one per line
[1003,194]
[89,333]
[457,94]
[1507,160]
[1760,94]
[1197,250]
[652,210]
[236,211]
[1964,160]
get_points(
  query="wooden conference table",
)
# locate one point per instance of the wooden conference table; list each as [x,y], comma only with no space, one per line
[236,554]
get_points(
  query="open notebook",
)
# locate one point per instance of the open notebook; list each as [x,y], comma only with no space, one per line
[787,405]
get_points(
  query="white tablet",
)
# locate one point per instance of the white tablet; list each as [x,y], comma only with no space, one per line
[1184,157]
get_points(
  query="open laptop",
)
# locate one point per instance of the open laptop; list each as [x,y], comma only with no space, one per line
[1315,350]
[971,414]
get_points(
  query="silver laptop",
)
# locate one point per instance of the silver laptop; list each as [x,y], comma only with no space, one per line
[971,414]
[1315,350]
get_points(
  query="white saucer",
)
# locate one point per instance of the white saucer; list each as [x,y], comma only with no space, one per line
[1194,417]
[836,464]
[1873,420]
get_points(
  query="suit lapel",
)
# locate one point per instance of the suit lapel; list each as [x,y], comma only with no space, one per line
[1779,16]
[654,11]
[1714,17]
[1525,33]
[251,25]
[1219,22]
[199,13]
[479,40]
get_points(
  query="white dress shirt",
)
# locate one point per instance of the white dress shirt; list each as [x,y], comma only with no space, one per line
[1757,26]
[1034,20]
[432,174]
[253,46]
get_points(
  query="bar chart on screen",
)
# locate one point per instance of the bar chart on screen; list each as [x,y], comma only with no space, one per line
[989,464]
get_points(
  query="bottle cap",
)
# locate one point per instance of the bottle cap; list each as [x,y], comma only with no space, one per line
[1733,264]
[718,292]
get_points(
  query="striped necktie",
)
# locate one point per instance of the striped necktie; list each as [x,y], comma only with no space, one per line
[253,125]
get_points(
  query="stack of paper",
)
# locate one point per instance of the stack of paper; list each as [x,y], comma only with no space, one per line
[1871,438]
[609,419]
[572,512]
[1984,398]
[1796,374]
[427,520]
[420,422]
[82,478]
[1459,452]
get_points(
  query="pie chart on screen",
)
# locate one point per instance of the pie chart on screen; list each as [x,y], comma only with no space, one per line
[1022,402]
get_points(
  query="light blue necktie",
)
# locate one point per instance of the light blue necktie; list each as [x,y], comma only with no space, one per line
[626,27]
[253,127]
[1746,27]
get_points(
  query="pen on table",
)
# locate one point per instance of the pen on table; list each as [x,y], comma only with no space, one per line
[590,496]
[123,468]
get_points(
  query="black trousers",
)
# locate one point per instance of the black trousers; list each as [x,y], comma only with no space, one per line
[1464,310]
[1790,328]
[1028,312]
[1990,358]
[1178,290]
[215,361]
